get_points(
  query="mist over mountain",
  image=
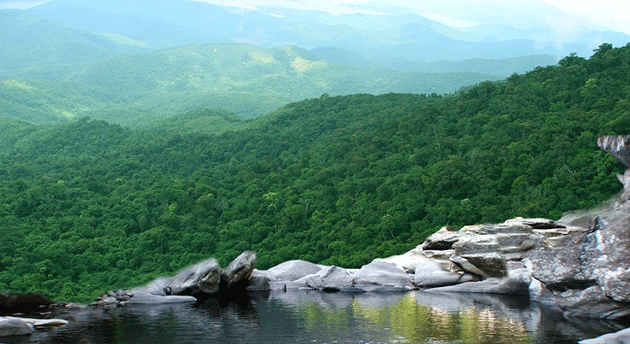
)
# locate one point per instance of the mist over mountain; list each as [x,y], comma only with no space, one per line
[390,33]
[28,41]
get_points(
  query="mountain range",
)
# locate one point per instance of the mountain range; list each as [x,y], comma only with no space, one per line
[132,62]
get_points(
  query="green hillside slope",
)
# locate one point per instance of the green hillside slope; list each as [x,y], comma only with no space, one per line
[28,41]
[88,206]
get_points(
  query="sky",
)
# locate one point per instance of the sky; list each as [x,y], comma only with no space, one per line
[614,14]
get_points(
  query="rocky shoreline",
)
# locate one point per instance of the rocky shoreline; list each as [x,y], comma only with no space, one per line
[577,265]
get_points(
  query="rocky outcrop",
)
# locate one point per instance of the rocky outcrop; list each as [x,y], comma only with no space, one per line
[581,271]
[200,281]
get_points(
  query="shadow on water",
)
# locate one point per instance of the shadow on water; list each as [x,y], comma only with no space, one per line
[315,317]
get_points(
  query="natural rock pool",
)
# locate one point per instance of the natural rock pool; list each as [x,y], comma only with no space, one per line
[316,317]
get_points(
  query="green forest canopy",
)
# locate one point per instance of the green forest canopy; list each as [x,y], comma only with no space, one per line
[88,206]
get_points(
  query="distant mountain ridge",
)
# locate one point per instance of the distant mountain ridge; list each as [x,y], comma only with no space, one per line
[135,89]
[406,36]
[28,41]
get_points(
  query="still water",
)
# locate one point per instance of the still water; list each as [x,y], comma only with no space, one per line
[313,317]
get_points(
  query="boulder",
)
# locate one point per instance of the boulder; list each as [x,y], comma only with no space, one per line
[382,276]
[200,279]
[293,270]
[238,273]
[619,147]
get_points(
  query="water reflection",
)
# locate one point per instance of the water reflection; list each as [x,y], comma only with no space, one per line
[314,317]
[397,318]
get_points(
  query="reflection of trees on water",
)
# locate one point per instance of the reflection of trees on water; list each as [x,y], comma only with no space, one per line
[423,317]
[415,323]
[298,317]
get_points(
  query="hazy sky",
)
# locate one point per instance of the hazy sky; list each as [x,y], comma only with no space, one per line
[614,14]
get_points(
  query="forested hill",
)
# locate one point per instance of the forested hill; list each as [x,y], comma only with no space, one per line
[89,206]
[137,89]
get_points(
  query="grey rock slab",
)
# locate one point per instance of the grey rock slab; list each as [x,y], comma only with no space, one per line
[381,273]
[438,274]
[335,277]
[517,282]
